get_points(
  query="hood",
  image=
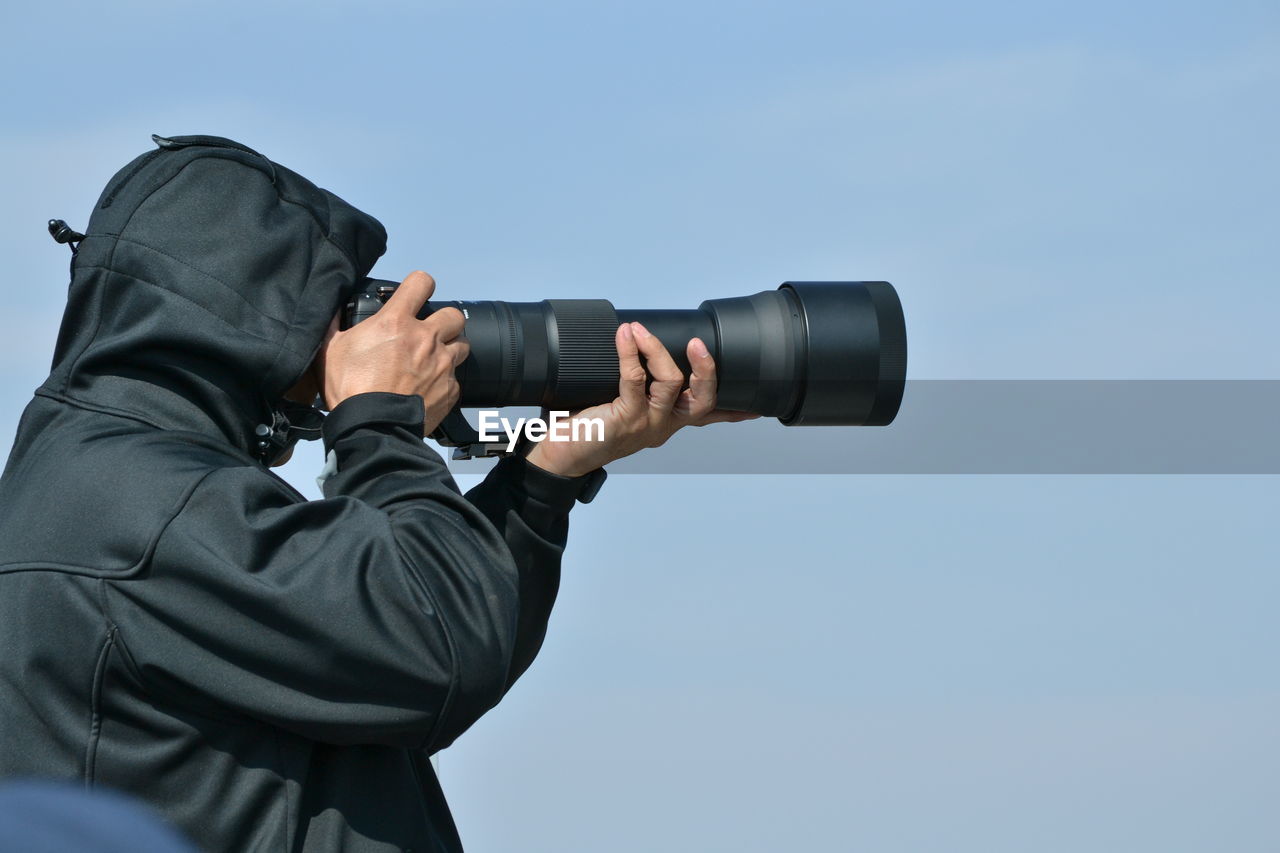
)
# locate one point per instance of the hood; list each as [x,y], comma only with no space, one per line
[203,288]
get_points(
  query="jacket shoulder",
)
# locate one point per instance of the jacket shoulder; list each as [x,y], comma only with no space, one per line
[90,495]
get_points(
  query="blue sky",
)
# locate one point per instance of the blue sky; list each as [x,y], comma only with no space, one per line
[886,663]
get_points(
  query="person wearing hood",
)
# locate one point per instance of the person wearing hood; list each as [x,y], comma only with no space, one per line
[181,625]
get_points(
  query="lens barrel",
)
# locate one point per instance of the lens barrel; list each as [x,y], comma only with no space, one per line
[808,353]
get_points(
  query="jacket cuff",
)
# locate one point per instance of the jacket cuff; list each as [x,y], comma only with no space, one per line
[555,491]
[374,408]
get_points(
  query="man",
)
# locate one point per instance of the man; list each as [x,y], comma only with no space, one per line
[181,625]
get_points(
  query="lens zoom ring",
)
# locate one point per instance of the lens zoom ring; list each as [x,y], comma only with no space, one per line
[588,358]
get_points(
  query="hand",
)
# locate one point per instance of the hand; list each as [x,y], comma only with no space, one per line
[637,419]
[394,351]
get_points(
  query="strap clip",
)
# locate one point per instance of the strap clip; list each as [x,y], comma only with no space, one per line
[61,232]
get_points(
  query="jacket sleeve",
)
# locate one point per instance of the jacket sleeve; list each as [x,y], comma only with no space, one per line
[394,611]
[530,508]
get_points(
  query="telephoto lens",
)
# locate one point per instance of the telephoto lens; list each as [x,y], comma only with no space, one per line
[811,353]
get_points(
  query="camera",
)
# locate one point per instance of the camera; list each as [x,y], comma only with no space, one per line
[810,353]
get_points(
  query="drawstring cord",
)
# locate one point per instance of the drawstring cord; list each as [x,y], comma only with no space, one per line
[61,232]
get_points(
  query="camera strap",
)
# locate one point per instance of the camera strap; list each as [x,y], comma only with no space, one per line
[291,422]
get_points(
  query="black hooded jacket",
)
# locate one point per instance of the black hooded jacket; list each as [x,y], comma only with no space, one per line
[177,622]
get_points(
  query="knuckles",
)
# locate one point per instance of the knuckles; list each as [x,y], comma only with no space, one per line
[451,319]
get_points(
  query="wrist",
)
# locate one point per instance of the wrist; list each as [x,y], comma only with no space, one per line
[376,409]
[533,454]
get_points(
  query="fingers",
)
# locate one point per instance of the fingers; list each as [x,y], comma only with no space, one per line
[632,374]
[720,416]
[411,295]
[667,378]
[700,398]
[458,351]
[448,323]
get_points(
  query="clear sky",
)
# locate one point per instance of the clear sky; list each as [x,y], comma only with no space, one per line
[1080,190]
